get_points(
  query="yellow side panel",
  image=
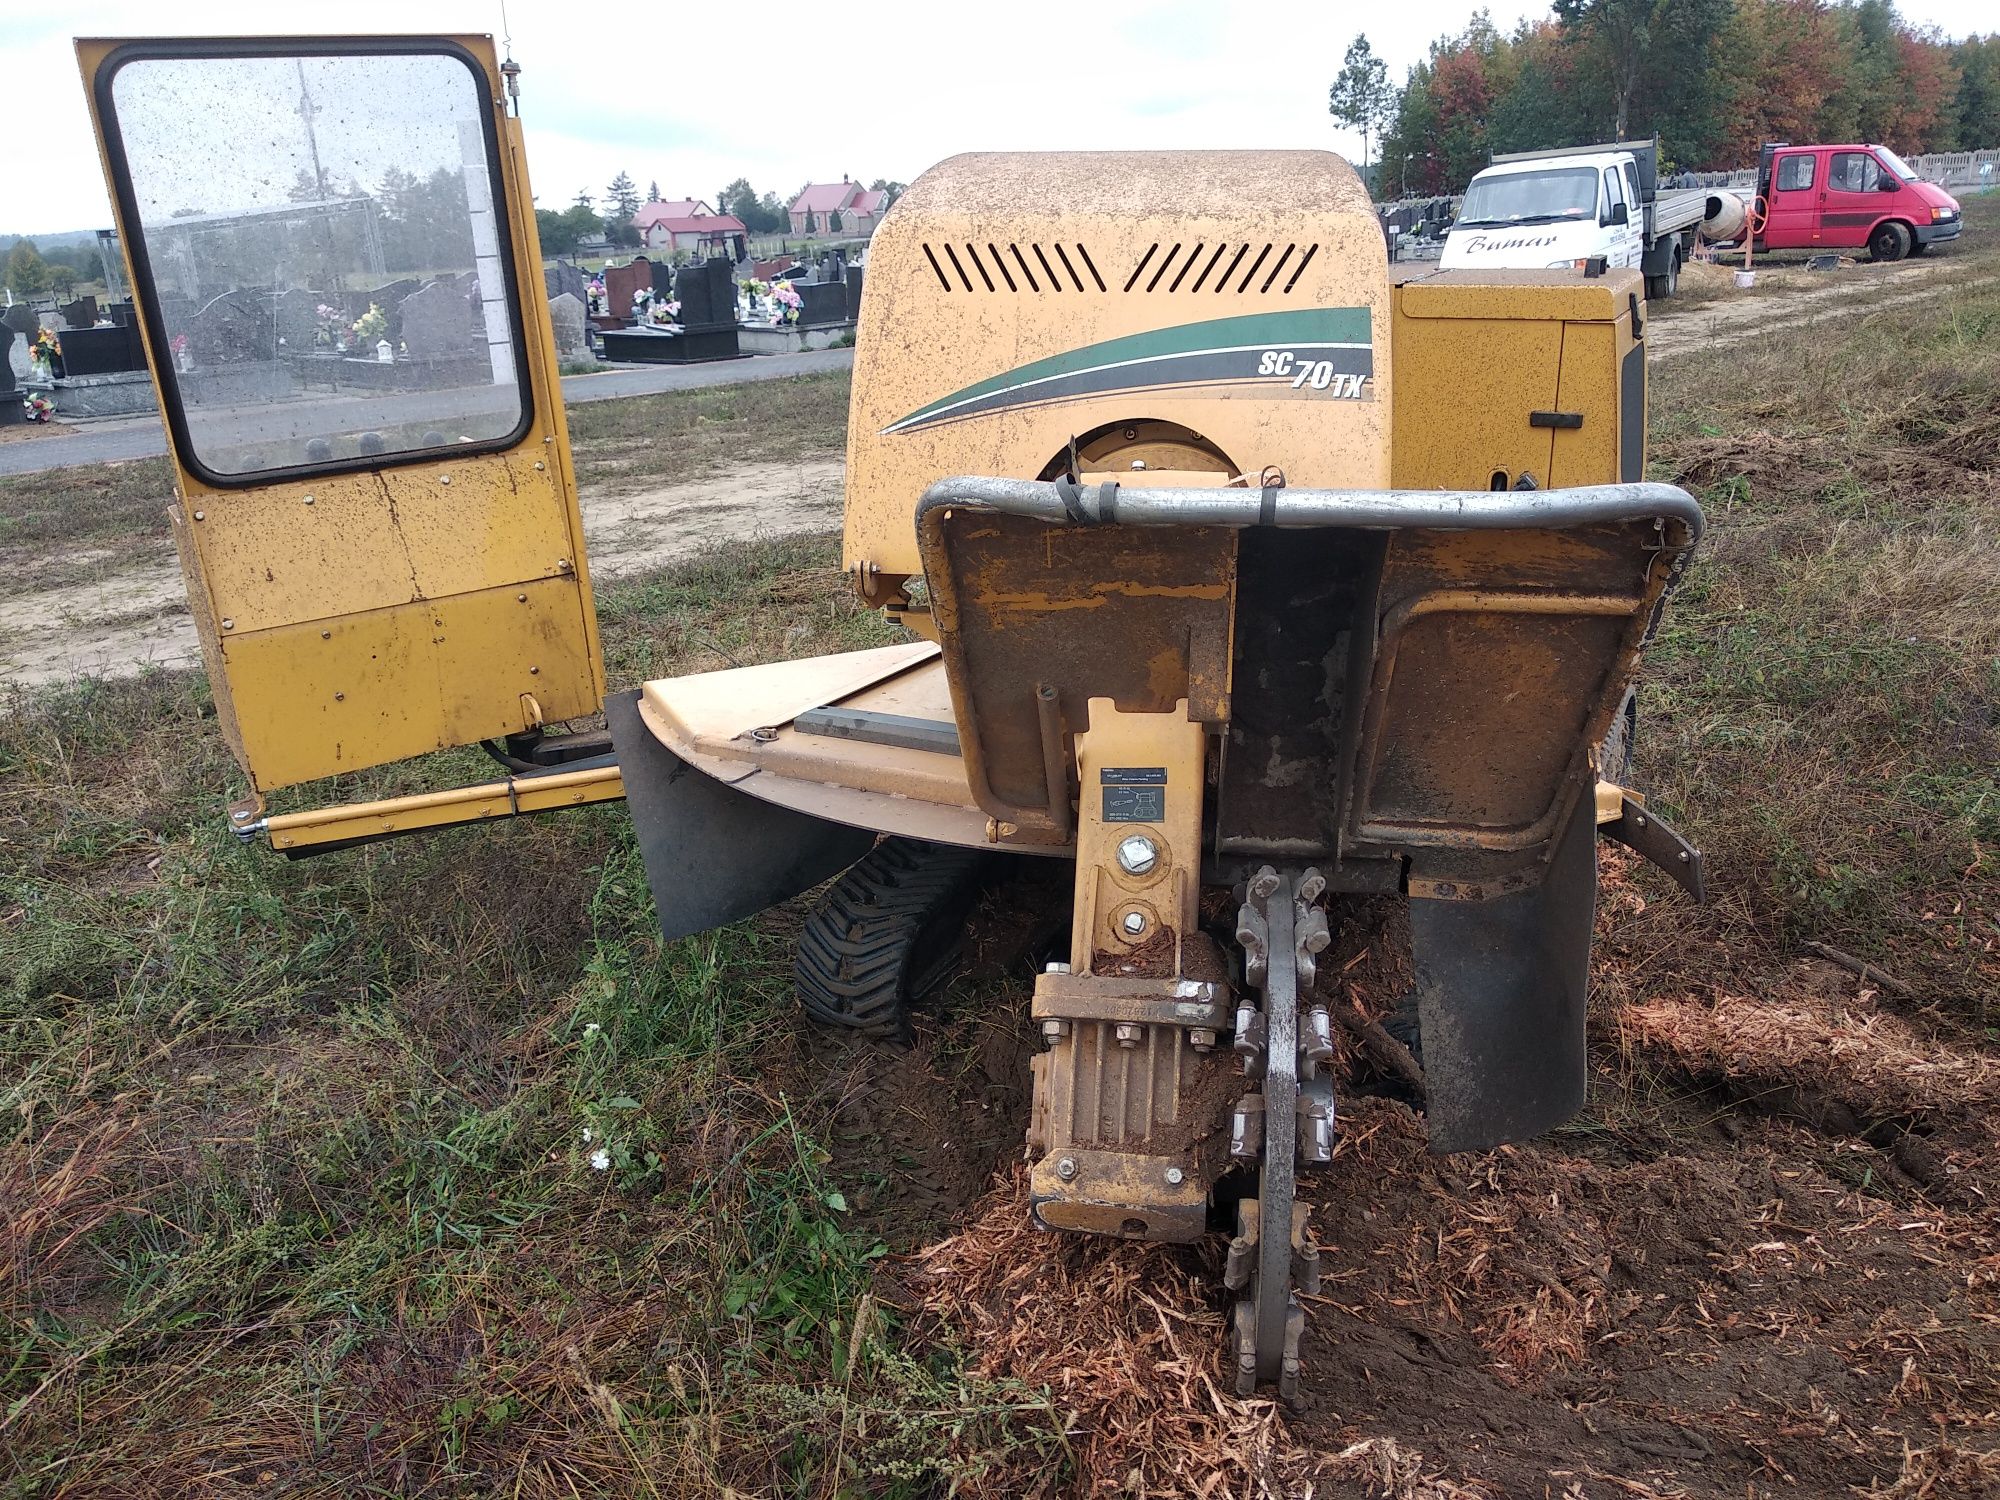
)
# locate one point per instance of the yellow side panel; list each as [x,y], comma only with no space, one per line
[365,688]
[439,598]
[354,542]
[1590,388]
[1479,353]
[1464,388]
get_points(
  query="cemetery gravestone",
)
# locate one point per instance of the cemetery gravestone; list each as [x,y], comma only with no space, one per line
[227,332]
[437,321]
[854,275]
[572,342]
[297,315]
[563,279]
[707,294]
[623,283]
[821,303]
[10,408]
[21,324]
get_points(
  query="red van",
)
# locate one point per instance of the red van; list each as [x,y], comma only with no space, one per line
[1848,197]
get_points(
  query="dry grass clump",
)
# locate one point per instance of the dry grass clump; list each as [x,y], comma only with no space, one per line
[1871,1060]
[1127,1340]
[1942,1472]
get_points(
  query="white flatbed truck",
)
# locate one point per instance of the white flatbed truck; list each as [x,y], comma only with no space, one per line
[1536,209]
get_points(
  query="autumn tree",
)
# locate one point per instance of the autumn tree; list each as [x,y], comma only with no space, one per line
[1361,98]
[27,272]
[1978,102]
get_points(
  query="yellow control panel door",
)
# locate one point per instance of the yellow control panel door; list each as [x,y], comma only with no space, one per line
[334,264]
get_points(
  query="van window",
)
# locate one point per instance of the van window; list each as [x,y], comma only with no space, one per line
[1613,193]
[1853,172]
[1631,183]
[1896,164]
[1795,173]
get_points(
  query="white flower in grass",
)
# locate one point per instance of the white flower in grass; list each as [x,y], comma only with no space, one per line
[586,1135]
[600,1160]
[590,1028]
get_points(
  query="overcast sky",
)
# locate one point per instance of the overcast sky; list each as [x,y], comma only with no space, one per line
[693,94]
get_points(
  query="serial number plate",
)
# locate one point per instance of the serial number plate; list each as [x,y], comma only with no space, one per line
[1134,794]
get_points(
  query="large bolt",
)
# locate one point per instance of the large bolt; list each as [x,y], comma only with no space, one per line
[1175,1177]
[1055,968]
[1202,1038]
[1137,854]
[1054,1030]
[1134,923]
[1127,1034]
[1066,1168]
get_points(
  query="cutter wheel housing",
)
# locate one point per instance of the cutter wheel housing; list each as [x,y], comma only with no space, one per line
[1227,568]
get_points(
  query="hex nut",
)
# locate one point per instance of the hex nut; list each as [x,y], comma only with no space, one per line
[1137,854]
[1202,1038]
[1127,1033]
[1134,923]
[1175,1177]
[1055,1030]
[1066,1169]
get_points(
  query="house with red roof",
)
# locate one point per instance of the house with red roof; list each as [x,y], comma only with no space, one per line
[843,208]
[686,224]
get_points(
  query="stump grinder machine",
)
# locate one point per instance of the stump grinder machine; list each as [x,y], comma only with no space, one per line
[1227,567]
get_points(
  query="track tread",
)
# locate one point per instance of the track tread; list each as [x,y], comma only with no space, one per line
[858,962]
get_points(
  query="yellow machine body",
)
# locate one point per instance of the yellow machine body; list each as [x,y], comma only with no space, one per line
[1089,311]
[350,612]
[1230,567]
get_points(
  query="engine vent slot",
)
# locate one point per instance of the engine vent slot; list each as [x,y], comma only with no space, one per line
[963,266]
[1239,268]
[1242,268]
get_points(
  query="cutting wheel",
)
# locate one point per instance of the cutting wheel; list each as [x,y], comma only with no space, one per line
[1280,932]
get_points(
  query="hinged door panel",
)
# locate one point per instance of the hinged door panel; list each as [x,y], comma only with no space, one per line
[377,513]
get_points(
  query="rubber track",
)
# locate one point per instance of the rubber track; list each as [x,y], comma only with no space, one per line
[857,961]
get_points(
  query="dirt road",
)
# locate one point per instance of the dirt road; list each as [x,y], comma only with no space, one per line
[1792,294]
[135,616]
[132,615]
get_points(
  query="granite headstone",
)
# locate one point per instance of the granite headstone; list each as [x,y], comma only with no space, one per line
[231,329]
[572,341]
[563,278]
[437,320]
[297,316]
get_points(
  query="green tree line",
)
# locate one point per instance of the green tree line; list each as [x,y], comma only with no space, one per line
[32,272]
[1713,79]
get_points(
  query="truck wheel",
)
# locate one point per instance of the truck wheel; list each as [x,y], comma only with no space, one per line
[1890,241]
[1660,288]
[884,934]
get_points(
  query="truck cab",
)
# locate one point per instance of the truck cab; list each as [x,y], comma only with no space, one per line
[1538,210]
[1849,197]
[1549,209]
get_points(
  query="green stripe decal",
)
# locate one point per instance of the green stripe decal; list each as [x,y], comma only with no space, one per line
[1345,328]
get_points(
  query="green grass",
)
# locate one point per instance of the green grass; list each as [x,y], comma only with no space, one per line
[296,1194]
[1822,696]
[703,434]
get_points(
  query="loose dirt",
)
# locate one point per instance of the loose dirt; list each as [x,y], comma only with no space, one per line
[135,616]
[1704,1287]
